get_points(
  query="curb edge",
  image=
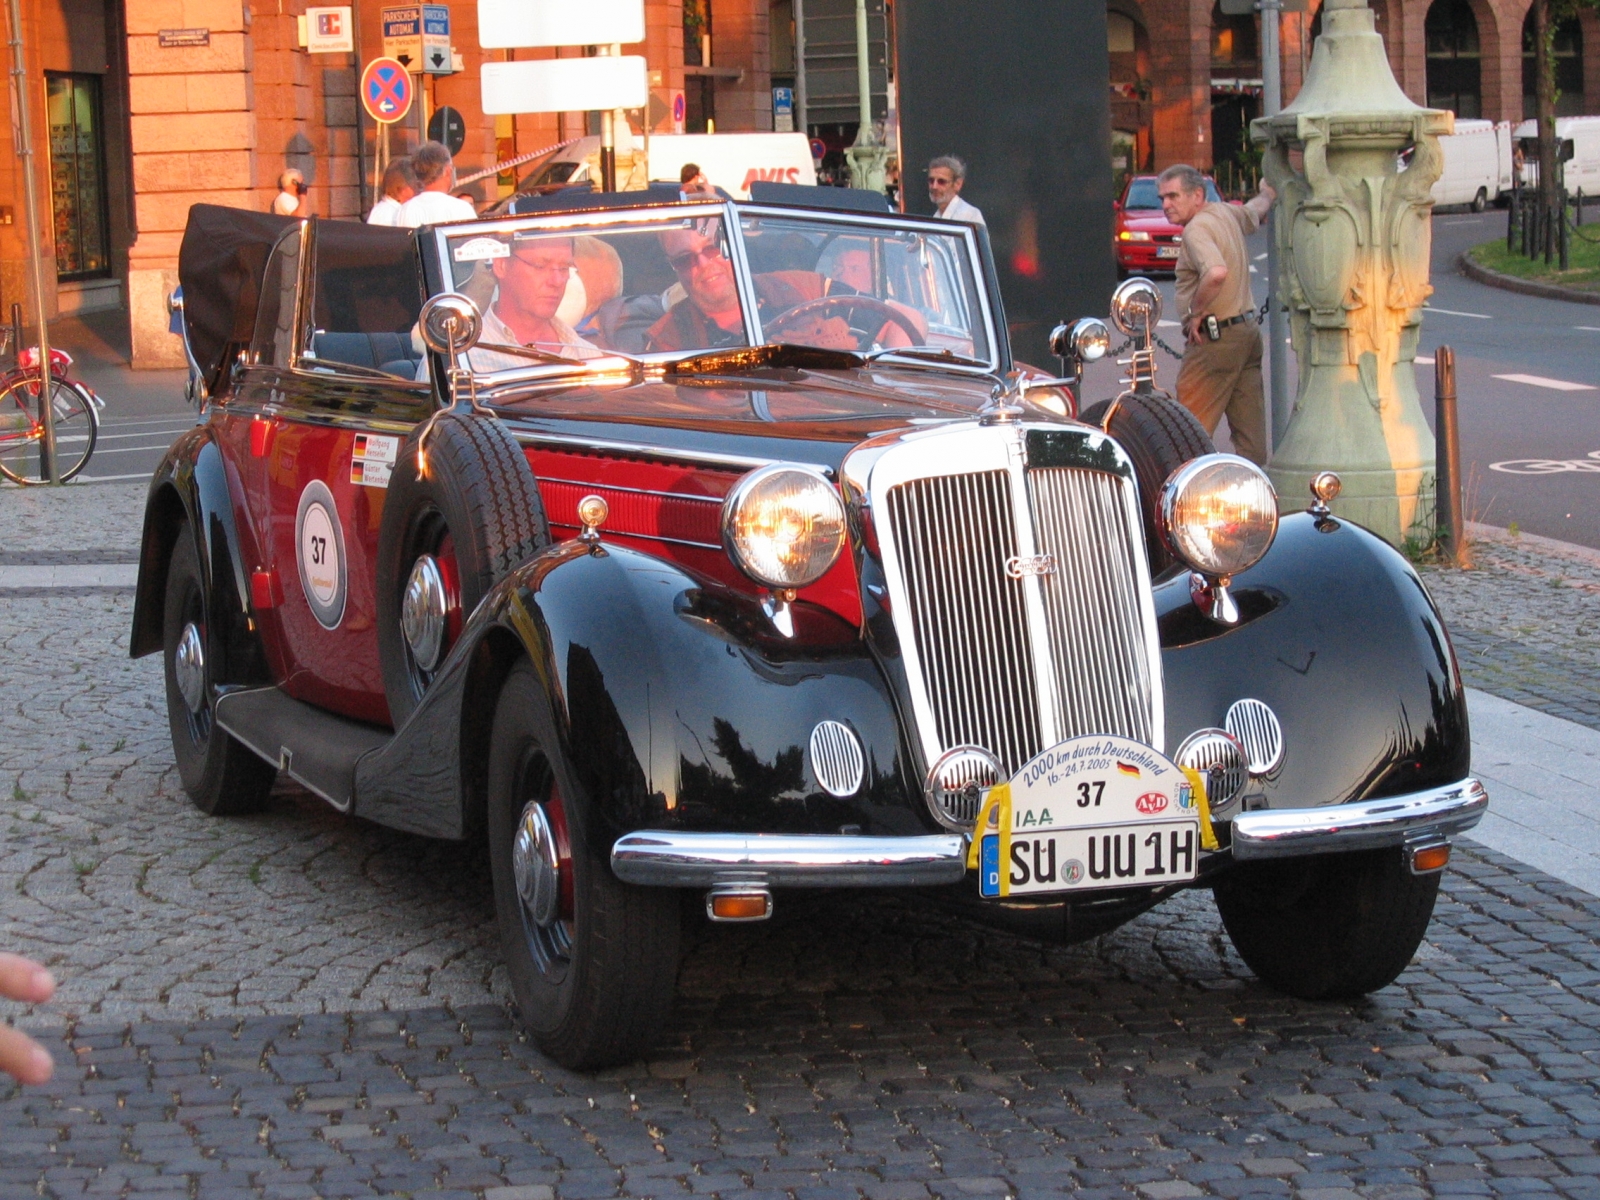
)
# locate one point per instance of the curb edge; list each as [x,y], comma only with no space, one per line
[1526,287]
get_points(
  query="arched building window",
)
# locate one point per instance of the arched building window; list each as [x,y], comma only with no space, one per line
[1569,68]
[1454,78]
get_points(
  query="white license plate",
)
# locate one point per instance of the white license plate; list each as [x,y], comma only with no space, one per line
[1079,860]
[1166,252]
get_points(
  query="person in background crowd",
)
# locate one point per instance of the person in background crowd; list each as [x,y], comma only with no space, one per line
[399,185]
[1221,371]
[291,194]
[20,1056]
[472,193]
[693,182]
[436,179]
[947,175]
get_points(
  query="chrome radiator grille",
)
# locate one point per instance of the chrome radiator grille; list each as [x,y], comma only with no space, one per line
[1015,661]
[952,532]
[1092,603]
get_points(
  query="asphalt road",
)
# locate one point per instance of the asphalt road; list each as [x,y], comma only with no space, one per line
[1530,444]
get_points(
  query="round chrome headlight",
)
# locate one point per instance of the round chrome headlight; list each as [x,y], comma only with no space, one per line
[1219,514]
[783,525]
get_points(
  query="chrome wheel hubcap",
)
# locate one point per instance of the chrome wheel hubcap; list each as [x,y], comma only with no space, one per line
[189,667]
[537,867]
[422,613]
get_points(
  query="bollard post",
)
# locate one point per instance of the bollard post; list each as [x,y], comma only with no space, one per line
[1447,481]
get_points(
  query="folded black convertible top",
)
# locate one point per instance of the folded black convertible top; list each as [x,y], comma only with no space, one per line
[220,265]
[224,256]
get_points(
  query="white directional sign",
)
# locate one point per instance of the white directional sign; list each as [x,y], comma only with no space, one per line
[402,36]
[504,24]
[436,39]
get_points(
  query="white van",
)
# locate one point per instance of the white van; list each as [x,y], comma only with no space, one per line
[1583,171]
[730,161]
[1477,164]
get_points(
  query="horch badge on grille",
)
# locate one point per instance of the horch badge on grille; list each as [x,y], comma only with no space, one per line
[1093,812]
[1020,565]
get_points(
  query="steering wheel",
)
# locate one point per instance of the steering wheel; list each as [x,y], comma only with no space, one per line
[825,305]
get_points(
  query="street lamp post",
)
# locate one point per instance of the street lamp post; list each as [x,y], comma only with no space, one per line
[867,154]
[30,207]
[1277,326]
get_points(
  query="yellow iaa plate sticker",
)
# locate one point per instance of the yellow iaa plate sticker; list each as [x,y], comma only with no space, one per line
[1093,812]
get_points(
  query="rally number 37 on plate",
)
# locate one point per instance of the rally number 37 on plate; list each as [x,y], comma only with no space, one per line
[1093,812]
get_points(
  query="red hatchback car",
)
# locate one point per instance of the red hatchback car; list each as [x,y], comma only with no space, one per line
[1145,240]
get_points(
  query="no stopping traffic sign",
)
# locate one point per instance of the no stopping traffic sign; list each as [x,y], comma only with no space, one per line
[386,91]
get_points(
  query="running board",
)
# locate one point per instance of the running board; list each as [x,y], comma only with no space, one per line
[316,748]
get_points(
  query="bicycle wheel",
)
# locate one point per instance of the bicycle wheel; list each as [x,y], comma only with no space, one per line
[77,425]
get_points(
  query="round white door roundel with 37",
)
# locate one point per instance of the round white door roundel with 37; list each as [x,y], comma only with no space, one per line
[319,547]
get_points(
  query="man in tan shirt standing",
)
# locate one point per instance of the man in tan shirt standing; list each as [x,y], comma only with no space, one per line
[1222,375]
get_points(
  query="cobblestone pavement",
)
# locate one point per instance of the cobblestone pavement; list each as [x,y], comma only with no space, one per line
[1526,621]
[297,1004]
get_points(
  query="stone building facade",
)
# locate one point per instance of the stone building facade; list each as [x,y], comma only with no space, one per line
[187,101]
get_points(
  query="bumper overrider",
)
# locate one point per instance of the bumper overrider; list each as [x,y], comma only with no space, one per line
[729,861]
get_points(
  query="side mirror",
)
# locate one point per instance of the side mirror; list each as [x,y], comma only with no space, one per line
[450,323]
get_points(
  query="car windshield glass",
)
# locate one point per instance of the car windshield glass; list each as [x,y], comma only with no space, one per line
[863,288]
[580,294]
[1142,193]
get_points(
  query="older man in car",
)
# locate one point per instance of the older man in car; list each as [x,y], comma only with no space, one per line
[531,282]
[709,316]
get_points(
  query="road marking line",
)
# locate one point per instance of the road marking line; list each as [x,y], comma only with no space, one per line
[1588,328]
[1555,385]
[1450,312]
[74,575]
[1422,360]
[1260,256]
[110,478]
[1170,324]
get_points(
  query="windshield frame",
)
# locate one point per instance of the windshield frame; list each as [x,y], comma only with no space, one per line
[731,213]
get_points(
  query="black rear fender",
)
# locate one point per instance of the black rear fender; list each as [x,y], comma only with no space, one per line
[191,484]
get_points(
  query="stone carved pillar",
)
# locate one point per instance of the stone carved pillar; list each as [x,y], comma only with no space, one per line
[1353,234]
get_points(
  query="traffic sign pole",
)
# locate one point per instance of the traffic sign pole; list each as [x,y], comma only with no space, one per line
[1280,406]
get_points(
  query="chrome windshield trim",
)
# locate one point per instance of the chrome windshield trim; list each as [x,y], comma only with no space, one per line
[1360,825]
[671,859]
[731,213]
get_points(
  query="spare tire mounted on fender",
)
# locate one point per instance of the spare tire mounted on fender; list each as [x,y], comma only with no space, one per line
[1160,435]
[448,538]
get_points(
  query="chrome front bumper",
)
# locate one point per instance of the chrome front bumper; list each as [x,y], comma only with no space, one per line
[666,859]
[661,858]
[1362,825]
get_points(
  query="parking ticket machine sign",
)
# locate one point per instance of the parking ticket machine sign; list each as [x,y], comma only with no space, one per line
[386,91]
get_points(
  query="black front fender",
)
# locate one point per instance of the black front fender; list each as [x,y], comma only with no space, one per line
[673,703]
[1346,646]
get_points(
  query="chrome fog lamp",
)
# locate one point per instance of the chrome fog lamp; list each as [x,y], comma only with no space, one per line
[1086,340]
[783,526]
[1218,515]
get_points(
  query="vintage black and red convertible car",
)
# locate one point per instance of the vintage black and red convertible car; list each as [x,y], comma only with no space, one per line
[722,548]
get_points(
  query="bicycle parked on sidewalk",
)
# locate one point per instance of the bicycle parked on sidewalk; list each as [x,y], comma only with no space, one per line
[75,407]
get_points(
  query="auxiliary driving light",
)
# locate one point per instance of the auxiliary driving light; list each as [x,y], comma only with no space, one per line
[746,905]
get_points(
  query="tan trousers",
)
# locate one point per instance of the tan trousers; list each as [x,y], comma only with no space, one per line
[1225,377]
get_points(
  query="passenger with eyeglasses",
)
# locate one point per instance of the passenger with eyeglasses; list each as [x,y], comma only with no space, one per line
[709,317]
[531,282]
